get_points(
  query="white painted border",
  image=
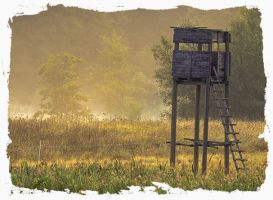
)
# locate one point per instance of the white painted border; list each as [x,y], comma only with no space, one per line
[10,8]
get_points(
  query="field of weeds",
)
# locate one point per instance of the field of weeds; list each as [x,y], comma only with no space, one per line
[115,175]
[110,155]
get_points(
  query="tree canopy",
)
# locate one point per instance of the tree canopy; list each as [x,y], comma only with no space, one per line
[61,83]
[118,84]
[247,76]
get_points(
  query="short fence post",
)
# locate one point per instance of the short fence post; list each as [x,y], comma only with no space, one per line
[40,147]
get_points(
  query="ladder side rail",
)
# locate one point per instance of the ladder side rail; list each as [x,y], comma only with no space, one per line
[227,122]
[223,122]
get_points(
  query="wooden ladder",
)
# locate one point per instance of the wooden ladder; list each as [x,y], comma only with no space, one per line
[222,105]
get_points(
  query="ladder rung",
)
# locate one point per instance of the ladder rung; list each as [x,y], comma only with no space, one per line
[231,133]
[226,116]
[183,144]
[217,90]
[232,124]
[235,141]
[227,122]
[240,168]
[220,107]
[241,159]
[216,82]
[237,150]
[221,98]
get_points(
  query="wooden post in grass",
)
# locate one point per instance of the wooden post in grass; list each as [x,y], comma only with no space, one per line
[196,125]
[174,110]
[227,74]
[196,130]
[206,127]
[206,117]
[173,125]
[40,148]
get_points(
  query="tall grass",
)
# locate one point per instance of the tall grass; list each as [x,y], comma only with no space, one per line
[113,176]
[110,155]
[71,137]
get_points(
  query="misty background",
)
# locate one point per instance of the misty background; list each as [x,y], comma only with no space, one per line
[119,67]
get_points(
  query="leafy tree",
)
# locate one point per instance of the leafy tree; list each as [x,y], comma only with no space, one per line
[118,84]
[162,53]
[61,85]
[248,79]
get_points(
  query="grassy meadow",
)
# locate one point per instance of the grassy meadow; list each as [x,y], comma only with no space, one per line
[71,60]
[109,155]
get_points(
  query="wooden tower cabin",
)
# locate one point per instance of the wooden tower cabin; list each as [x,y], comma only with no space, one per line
[208,65]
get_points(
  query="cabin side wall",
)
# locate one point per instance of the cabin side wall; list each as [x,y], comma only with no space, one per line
[199,64]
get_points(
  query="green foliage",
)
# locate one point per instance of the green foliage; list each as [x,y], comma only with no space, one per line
[79,31]
[81,154]
[247,76]
[74,137]
[61,82]
[118,84]
[114,176]
[162,54]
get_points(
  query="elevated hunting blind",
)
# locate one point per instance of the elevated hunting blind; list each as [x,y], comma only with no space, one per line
[201,56]
[194,66]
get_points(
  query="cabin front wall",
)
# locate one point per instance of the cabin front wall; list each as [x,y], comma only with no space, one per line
[191,64]
[198,64]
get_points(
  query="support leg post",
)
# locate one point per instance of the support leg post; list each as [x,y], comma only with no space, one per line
[206,121]
[226,148]
[196,130]
[173,125]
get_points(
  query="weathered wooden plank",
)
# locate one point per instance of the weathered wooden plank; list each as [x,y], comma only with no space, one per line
[227,57]
[196,129]
[205,130]
[221,61]
[218,60]
[227,147]
[190,56]
[192,35]
[196,64]
[191,74]
[195,35]
[190,69]
[218,36]
[173,125]
[191,64]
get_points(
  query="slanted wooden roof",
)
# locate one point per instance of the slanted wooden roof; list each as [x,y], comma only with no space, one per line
[199,35]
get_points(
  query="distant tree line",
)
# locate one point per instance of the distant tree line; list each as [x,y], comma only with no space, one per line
[84,34]
[117,84]
[123,89]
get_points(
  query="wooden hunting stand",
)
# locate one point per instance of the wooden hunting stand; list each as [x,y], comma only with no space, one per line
[207,65]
